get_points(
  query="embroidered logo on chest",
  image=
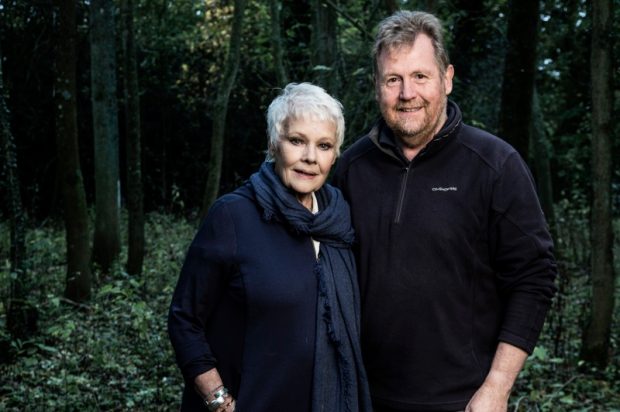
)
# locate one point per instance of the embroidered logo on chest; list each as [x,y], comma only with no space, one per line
[445,189]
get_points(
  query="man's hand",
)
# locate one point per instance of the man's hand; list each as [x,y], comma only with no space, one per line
[493,395]
[488,399]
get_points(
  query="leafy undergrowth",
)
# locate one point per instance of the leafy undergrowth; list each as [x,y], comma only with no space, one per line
[110,354]
[556,384]
[113,353]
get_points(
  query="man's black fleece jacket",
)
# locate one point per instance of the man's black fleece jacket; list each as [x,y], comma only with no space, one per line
[453,256]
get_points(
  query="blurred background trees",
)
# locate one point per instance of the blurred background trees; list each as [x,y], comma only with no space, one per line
[131,116]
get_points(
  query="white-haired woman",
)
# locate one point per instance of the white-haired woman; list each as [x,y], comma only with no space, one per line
[265,315]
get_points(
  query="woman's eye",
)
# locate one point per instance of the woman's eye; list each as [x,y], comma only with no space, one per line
[295,141]
[325,146]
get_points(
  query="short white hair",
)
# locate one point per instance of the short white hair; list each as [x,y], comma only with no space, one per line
[302,101]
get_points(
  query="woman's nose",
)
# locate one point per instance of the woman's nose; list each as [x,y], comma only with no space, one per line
[309,154]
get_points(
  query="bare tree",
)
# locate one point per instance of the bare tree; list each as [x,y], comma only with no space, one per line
[325,45]
[78,283]
[468,34]
[541,148]
[519,71]
[106,244]
[21,315]
[595,347]
[220,108]
[276,43]
[391,6]
[135,207]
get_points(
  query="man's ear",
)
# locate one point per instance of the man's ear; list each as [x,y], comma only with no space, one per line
[447,79]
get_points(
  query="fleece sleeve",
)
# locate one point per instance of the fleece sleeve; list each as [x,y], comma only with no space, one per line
[522,254]
[203,279]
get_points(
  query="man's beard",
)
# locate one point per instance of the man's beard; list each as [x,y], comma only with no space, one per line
[414,133]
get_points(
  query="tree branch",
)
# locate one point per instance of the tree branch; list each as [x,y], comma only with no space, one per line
[354,22]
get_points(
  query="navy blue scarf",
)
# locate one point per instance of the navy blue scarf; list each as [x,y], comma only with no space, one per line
[339,383]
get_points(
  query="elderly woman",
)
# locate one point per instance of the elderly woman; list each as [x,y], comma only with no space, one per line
[265,313]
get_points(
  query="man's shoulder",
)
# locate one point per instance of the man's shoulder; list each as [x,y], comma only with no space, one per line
[353,156]
[489,148]
[360,148]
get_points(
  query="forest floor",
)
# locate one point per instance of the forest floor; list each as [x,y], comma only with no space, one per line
[113,353]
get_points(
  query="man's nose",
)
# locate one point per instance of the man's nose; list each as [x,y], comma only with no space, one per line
[407,90]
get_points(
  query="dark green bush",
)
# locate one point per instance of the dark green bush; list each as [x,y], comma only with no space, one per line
[113,353]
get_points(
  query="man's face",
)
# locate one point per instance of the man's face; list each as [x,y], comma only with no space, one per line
[412,92]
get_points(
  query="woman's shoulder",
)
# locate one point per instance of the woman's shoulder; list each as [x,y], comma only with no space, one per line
[238,207]
[243,196]
[228,212]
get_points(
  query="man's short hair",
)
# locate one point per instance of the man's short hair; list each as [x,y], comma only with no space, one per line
[402,28]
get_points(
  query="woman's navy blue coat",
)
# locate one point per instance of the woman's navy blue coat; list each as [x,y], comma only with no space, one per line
[261,338]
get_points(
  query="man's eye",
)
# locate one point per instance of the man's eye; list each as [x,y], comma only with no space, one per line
[392,81]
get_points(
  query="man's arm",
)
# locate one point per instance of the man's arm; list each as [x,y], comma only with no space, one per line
[493,395]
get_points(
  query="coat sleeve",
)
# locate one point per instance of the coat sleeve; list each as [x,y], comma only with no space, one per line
[522,254]
[208,265]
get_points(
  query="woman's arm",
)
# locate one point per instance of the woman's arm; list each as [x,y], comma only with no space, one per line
[210,387]
[203,281]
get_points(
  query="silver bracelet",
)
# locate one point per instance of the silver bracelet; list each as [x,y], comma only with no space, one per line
[218,399]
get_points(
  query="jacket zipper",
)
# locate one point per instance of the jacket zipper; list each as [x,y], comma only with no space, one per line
[401,197]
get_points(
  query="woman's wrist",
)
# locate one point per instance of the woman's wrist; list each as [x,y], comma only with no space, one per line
[217,399]
[214,394]
[208,383]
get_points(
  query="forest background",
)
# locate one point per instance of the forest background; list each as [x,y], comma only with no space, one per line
[122,120]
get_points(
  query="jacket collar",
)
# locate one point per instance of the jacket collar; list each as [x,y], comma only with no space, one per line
[383,137]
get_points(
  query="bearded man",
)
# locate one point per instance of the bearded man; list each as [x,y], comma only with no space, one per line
[455,260]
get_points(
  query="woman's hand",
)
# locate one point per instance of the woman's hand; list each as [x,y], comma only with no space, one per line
[229,406]
[208,385]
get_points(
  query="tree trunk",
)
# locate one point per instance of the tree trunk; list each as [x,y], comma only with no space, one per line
[78,283]
[135,208]
[106,244]
[21,314]
[519,72]
[595,347]
[470,33]
[542,165]
[324,45]
[429,6]
[297,27]
[220,109]
[391,6]
[276,44]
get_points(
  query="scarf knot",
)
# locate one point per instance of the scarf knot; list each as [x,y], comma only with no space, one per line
[331,225]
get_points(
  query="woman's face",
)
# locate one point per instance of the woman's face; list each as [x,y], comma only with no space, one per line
[304,156]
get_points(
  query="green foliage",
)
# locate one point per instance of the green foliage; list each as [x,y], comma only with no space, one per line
[554,379]
[111,354]
[550,383]
[114,353]
[182,46]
